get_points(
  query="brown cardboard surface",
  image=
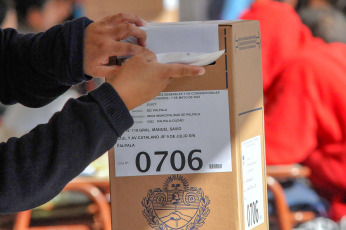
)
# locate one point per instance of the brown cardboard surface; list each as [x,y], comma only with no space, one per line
[250,124]
[127,208]
[147,9]
[239,71]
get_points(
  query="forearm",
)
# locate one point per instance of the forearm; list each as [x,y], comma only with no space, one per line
[37,166]
[36,68]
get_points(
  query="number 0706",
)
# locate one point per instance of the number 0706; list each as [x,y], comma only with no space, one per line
[195,163]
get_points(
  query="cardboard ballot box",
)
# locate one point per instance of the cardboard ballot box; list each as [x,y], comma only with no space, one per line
[195,157]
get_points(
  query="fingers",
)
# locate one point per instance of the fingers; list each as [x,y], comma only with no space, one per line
[145,56]
[110,71]
[124,31]
[148,56]
[125,18]
[180,70]
[124,49]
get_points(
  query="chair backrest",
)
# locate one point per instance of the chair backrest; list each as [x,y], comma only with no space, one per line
[23,218]
[286,218]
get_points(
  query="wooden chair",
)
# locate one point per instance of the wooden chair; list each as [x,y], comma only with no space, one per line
[286,219]
[23,219]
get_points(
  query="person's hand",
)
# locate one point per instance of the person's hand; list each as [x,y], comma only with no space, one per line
[102,41]
[142,78]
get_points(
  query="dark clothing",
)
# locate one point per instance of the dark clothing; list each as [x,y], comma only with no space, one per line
[35,69]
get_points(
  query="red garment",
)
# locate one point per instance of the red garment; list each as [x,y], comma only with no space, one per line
[304,81]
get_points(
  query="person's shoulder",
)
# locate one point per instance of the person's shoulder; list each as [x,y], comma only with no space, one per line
[324,64]
[320,53]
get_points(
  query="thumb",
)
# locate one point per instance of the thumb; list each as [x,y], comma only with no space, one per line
[180,70]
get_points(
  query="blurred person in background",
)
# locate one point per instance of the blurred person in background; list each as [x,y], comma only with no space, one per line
[305,99]
[40,15]
[324,19]
[8,16]
[341,5]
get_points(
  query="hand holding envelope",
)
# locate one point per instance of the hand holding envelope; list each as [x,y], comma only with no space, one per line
[192,43]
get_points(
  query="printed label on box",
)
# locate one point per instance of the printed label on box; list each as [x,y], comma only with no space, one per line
[177,132]
[252,182]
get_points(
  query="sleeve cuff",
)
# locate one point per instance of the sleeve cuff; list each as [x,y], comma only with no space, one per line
[114,107]
[74,36]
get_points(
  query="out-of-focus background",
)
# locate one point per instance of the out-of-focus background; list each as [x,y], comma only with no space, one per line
[295,199]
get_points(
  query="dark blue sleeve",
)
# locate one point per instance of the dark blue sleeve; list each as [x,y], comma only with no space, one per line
[37,166]
[36,68]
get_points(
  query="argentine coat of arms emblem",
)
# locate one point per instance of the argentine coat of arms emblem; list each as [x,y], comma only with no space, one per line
[176,205]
